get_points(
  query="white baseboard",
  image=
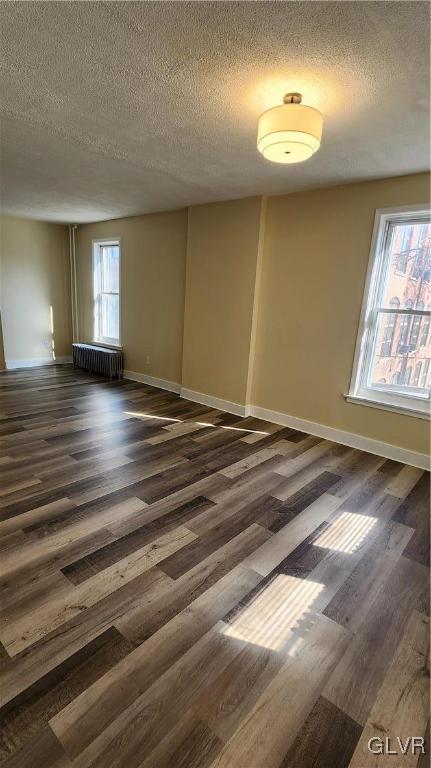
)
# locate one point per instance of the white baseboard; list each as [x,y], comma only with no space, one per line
[362,443]
[35,362]
[388,451]
[152,381]
[215,402]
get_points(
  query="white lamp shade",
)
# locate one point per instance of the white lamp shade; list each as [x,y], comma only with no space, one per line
[289,133]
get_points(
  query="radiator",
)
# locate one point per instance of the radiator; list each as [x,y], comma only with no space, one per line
[107,362]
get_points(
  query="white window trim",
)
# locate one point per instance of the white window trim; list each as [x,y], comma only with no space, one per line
[359,392]
[106,342]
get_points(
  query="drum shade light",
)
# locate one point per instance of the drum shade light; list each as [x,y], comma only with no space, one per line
[291,132]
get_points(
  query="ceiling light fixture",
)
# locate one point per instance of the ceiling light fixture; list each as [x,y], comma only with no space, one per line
[291,132]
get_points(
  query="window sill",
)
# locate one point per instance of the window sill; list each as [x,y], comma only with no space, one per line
[403,410]
[107,346]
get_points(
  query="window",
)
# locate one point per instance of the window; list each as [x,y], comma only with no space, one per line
[106,287]
[393,350]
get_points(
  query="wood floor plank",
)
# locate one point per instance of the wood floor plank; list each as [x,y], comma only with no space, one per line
[50,651]
[35,516]
[83,569]
[401,708]
[357,678]
[32,553]
[42,750]
[30,711]
[20,634]
[18,601]
[327,739]
[190,744]
[79,724]
[414,512]
[350,604]
[140,727]
[269,729]
[286,540]
[142,621]
[236,689]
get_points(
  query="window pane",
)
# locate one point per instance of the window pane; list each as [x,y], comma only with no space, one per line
[110,316]
[388,334]
[425,374]
[424,333]
[409,265]
[110,268]
[400,358]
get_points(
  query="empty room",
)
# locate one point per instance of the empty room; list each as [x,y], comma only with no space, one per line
[215,375]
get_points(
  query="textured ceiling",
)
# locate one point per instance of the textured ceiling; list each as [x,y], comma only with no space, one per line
[113,109]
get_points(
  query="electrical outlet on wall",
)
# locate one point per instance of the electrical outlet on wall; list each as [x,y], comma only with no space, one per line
[147,360]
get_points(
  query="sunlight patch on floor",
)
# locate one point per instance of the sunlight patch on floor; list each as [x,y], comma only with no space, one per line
[234,429]
[51,325]
[277,614]
[139,415]
[149,416]
[347,532]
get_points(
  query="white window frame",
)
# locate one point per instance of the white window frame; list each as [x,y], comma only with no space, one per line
[360,390]
[105,341]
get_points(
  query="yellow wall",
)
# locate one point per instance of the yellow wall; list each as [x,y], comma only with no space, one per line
[34,277]
[153,254]
[222,260]
[316,250]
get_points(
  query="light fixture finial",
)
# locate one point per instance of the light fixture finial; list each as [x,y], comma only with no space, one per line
[292,98]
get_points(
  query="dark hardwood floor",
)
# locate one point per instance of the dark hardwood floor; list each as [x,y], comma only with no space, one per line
[183,588]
